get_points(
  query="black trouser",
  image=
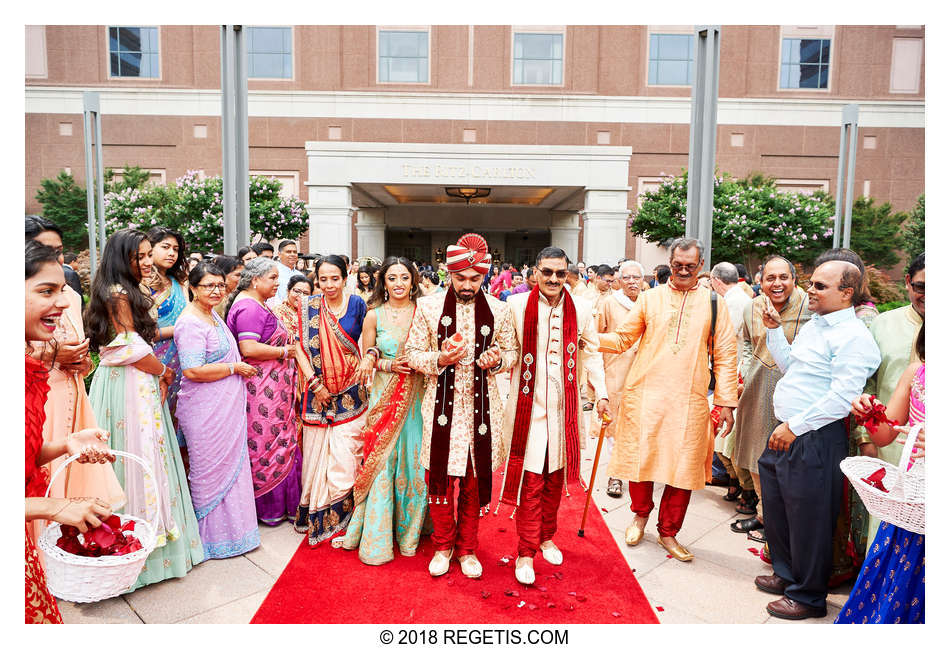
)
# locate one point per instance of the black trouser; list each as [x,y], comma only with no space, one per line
[801,497]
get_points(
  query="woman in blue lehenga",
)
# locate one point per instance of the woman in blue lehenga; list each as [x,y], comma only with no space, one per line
[890,584]
[169,288]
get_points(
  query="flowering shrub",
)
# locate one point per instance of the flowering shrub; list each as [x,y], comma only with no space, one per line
[194,207]
[752,219]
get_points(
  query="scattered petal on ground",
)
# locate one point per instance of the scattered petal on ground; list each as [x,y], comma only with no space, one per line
[511,593]
[659,608]
[485,594]
[615,613]
[521,603]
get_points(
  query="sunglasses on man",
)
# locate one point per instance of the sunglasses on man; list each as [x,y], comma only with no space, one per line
[547,272]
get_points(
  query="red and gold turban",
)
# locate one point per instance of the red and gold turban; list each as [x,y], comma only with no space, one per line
[471,251]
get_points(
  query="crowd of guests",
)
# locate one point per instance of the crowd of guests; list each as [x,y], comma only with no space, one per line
[262,388]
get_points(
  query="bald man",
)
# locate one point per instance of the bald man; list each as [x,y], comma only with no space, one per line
[824,369]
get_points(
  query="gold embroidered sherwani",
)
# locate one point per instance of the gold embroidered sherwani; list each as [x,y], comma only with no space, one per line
[546,432]
[612,312]
[663,429]
[422,350]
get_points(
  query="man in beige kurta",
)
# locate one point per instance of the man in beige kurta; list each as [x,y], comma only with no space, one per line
[663,426]
[541,476]
[613,310]
[457,533]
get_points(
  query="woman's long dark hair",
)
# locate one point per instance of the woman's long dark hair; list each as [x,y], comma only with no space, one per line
[115,268]
[379,296]
[179,269]
[920,343]
[369,270]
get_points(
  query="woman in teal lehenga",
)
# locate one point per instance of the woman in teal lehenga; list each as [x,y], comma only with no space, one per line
[390,491]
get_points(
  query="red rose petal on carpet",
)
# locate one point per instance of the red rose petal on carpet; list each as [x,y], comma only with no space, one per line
[362,594]
[659,608]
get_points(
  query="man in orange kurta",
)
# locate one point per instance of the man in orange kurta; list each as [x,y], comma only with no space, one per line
[663,425]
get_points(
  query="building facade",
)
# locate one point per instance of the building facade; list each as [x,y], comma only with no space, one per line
[566,126]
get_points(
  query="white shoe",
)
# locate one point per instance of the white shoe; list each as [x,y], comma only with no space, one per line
[552,555]
[524,570]
[440,563]
[471,567]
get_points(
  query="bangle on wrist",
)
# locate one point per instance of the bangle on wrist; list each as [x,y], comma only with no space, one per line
[230,369]
[374,351]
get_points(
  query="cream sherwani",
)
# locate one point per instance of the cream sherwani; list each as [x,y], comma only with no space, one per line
[546,432]
[737,300]
[422,349]
[613,310]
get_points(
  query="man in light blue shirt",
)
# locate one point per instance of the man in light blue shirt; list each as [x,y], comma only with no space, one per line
[824,369]
[286,268]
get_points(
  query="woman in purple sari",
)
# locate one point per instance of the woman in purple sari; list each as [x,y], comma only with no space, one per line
[265,344]
[211,413]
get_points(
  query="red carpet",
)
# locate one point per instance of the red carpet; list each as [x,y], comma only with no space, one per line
[593,586]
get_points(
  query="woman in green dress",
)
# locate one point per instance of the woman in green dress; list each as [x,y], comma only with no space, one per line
[128,397]
[390,490]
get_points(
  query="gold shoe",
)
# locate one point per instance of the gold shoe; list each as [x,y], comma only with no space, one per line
[674,548]
[634,533]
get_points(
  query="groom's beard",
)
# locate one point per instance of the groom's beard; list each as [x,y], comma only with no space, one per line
[465,296]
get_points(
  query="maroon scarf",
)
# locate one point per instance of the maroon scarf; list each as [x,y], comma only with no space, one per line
[442,422]
[529,350]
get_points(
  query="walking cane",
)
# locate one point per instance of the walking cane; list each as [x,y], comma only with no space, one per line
[605,421]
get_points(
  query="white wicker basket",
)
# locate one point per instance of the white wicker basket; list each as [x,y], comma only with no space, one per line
[903,503]
[90,579]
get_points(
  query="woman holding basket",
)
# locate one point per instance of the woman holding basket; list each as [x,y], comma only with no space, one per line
[45,304]
[890,584]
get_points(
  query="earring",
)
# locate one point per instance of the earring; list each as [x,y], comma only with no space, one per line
[386,292]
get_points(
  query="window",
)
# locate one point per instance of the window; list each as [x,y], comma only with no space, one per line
[906,57]
[289,181]
[805,63]
[269,53]
[133,52]
[36,51]
[403,56]
[538,59]
[800,186]
[671,59]
[155,176]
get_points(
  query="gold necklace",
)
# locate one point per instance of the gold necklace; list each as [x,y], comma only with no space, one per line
[342,309]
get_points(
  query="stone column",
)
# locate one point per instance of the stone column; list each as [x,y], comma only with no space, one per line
[565,233]
[371,232]
[331,219]
[605,224]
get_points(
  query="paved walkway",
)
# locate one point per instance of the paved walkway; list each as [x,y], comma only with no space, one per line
[716,587]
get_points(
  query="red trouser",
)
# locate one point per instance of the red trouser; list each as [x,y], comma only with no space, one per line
[672,506]
[446,534]
[536,517]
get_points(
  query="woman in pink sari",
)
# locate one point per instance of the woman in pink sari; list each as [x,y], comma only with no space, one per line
[266,344]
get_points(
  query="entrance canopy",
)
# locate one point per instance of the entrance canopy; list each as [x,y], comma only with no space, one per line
[394,188]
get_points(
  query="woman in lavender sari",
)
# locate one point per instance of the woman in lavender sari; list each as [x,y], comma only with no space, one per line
[211,413]
[265,344]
